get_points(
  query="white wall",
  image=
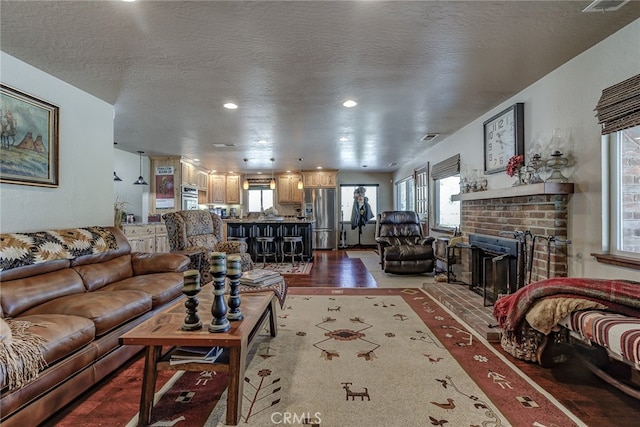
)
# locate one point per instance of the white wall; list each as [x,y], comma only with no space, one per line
[127,166]
[564,99]
[85,194]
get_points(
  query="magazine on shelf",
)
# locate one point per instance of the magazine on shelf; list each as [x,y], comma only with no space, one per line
[257,275]
[195,355]
[265,282]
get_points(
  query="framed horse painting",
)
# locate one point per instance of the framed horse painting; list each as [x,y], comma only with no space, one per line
[29,150]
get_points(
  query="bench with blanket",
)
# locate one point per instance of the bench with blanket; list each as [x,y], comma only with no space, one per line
[599,319]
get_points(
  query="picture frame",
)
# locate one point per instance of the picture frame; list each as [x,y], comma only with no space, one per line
[503,136]
[29,139]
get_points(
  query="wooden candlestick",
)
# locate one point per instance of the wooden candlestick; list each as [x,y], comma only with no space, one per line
[234,273]
[218,269]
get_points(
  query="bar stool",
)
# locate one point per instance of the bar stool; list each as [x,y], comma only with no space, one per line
[266,248]
[292,246]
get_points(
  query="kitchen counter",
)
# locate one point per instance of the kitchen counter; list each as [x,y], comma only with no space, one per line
[249,229]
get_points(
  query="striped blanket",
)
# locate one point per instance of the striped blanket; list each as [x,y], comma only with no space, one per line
[617,333]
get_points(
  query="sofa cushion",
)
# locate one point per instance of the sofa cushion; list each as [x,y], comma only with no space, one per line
[98,275]
[107,310]
[149,263]
[162,287]
[22,294]
[63,333]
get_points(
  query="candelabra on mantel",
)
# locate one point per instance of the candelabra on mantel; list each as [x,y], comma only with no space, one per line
[554,161]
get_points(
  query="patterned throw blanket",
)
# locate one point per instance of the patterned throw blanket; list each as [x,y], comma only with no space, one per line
[22,249]
[621,296]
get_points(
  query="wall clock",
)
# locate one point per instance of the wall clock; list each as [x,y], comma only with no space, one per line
[503,138]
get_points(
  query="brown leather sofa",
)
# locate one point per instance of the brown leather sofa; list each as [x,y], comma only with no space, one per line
[402,247]
[81,306]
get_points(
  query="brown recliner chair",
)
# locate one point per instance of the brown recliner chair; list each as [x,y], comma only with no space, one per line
[202,230]
[402,247]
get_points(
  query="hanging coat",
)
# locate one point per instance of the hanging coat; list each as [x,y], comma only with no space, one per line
[361,214]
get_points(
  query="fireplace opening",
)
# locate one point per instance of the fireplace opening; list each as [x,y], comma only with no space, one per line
[494,266]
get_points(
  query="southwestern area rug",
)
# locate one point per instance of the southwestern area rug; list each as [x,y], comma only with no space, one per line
[364,357]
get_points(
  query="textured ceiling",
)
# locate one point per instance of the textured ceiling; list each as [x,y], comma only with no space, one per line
[413,67]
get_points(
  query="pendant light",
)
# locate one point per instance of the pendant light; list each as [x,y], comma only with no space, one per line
[140,180]
[272,183]
[245,183]
[300,184]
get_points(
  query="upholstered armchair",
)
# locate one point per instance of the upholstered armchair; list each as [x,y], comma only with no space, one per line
[195,230]
[402,247]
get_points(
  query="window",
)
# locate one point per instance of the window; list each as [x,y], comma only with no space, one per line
[446,178]
[447,211]
[406,194]
[260,198]
[624,193]
[347,200]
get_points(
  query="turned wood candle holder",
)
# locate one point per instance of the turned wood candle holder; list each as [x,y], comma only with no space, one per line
[234,273]
[191,288]
[218,269]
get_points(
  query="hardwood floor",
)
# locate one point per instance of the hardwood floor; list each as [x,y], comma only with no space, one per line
[592,400]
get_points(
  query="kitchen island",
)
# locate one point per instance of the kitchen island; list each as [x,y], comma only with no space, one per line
[249,229]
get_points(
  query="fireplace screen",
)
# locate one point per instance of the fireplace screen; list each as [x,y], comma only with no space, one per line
[494,266]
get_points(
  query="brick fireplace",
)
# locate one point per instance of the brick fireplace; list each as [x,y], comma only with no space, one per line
[540,209]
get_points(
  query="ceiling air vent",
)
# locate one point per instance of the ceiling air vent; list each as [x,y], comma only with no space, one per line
[605,5]
[429,136]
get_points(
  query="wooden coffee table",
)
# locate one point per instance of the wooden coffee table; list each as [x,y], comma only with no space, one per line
[164,330]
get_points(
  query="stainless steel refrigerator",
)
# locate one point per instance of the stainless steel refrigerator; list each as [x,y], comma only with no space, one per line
[320,203]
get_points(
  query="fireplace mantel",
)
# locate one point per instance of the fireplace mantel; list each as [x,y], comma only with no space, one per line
[520,190]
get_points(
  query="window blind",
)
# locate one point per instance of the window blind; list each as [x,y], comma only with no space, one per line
[446,168]
[619,106]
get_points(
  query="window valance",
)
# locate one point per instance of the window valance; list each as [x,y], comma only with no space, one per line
[619,106]
[446,168]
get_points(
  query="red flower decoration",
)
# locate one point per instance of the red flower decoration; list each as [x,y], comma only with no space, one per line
[515,164]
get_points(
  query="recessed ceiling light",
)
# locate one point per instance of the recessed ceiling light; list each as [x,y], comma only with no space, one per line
[349,103]
[196,160]
[213,171]
[230,106]
[392,164]
[129,1]
[343,139]
[262,141]
[318,167]
[222,145]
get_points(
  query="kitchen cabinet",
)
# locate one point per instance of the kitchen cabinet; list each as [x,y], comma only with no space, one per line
[202,180]
[217,188]
[148,238]
[233,190]
[287,189]
[162,239]
[317,179]
[141,237]
[189,174]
